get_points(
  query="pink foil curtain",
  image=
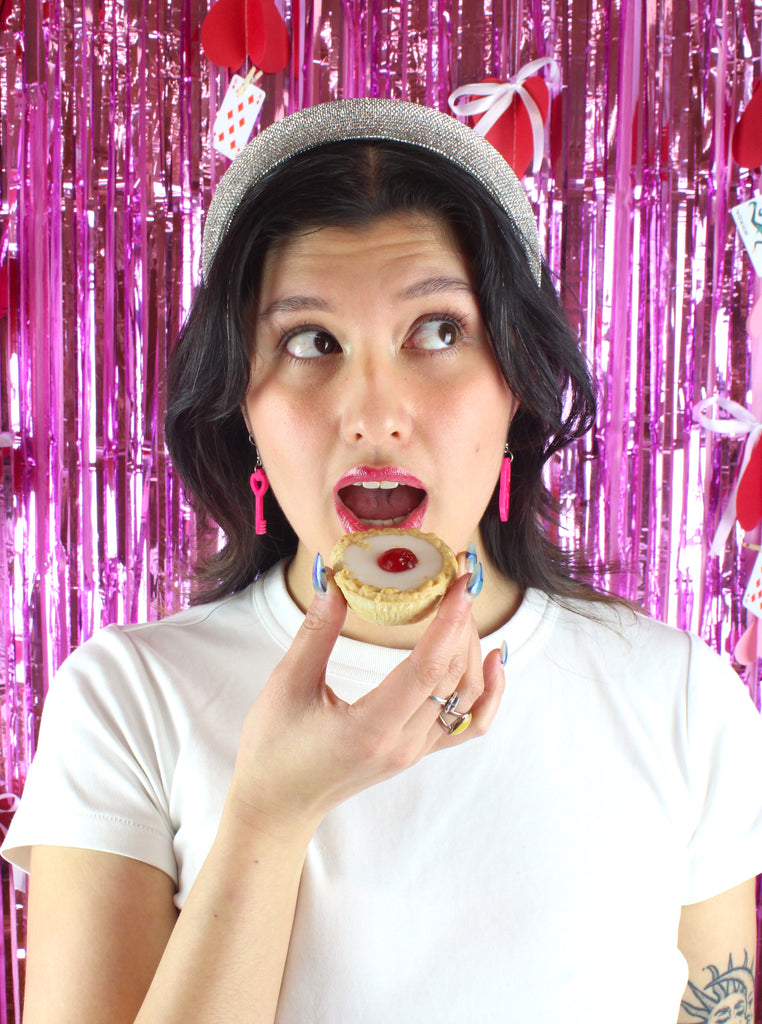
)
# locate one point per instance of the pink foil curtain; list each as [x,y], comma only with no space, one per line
[105,171]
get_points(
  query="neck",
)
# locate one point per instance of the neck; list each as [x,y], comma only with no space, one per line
[498,601]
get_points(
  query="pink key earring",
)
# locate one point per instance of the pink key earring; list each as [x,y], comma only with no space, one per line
[504,502]
[259,485]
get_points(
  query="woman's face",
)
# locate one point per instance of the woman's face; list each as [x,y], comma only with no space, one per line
[375,398]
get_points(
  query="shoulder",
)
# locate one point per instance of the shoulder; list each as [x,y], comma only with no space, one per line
[224,624]
[185,659]
[619,631]
[629,648]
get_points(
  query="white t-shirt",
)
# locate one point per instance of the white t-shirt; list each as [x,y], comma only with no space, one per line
[536,873]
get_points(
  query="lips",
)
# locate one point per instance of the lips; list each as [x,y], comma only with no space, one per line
[369,498]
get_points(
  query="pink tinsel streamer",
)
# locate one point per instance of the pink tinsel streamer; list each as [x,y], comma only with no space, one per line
[105,114]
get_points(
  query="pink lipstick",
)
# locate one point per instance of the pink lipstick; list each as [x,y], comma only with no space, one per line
[369,497]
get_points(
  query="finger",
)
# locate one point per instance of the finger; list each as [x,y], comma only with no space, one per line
[485,707]
[435,665]
[467,560]
[466,689]
[303,667]
[471,686]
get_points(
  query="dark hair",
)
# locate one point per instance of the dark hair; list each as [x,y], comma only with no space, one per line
[351,184]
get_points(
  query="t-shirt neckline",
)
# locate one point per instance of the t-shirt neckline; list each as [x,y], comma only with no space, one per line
[282,617]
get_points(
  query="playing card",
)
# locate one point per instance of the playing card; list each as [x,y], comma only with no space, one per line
[748,218]
[237,116]
[752,599]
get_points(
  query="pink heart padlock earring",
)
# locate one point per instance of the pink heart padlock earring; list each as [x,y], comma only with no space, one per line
[259,485]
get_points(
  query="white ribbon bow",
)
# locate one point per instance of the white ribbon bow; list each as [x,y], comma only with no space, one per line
[496,98]
[740,422]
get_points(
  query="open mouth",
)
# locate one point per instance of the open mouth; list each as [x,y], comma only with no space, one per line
[376,503]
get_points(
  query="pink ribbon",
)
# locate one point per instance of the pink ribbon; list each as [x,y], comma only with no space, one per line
[496,98]
[739,422]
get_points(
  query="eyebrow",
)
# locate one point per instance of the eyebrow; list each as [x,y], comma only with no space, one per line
[434,285]
[417,290]
[293,304]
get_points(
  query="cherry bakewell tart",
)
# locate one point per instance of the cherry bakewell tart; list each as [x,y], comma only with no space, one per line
[393,577]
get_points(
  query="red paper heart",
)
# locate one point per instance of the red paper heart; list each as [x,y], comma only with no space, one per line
[223,36]
[746,145]
[234,28]
[511,135]
[749,493]
[266,37]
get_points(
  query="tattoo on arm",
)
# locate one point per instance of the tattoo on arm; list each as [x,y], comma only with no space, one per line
[728,998]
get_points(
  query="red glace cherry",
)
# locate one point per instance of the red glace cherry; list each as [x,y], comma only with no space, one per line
[397,560]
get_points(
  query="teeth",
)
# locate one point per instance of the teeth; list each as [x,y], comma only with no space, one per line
[374,485]
[397,521]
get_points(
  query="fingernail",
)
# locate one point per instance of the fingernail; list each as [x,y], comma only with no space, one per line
[503,653]
[471,557]
[476,582]
[319,576]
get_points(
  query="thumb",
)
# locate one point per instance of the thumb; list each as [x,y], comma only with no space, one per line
[304,664]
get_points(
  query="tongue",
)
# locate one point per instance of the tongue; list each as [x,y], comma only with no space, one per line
[380,503]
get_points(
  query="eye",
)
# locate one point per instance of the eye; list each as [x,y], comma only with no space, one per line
[310,343]
[435,334]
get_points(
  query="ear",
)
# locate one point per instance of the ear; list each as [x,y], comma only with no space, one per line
[245,413]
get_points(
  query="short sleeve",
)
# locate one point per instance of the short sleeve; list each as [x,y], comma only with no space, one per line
[724,744]
[102,771]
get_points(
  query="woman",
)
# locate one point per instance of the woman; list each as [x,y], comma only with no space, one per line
[375,335]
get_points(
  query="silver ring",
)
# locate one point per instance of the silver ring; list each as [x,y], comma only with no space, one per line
[448,703]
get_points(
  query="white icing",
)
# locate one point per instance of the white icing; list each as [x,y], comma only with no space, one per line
[361,559]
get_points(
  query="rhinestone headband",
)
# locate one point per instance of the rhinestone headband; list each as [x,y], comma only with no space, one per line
[370,118]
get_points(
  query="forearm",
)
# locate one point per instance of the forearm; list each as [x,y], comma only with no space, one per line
[226,956]
[718,939]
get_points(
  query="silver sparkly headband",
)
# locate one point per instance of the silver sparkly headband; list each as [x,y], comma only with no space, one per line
[368,118]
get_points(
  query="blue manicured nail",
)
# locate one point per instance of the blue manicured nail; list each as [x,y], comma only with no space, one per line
[503,653]
[476,582]
[471,558]
[319,576]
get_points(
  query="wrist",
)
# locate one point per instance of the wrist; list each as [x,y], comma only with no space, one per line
[264,824]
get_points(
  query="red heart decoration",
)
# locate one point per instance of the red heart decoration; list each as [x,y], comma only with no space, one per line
[746,145]
[749,493]
[266,37]
[234,28]
[511,135]
[222,34]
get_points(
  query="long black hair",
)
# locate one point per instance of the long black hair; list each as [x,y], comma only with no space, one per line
[349,184]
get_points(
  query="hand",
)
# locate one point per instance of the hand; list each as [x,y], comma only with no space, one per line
[303,751]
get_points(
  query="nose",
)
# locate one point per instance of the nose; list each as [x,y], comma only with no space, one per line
[375,404]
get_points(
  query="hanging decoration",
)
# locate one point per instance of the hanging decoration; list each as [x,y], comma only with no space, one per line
[236,29]
[745,501]
[511,115]
[232,31]
[746,144]
[238,114]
